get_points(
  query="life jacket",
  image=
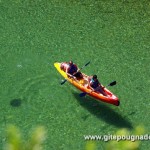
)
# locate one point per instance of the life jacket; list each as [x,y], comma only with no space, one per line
[94,84]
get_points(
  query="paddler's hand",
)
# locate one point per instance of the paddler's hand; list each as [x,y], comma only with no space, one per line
[103,87]
[71,76]
[78,70]
[93,90]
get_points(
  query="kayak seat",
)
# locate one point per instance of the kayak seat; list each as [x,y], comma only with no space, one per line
[84,82]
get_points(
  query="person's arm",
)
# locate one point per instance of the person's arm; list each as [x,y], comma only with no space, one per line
[71,76]
[91,88]
[67,70]
[102,87]
[90,85]
[78,69]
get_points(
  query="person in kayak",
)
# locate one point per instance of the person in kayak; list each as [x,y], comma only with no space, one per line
[71,70]
[95,85]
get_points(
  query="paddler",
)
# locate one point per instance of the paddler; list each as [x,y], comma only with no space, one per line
[71,70]
[95,85]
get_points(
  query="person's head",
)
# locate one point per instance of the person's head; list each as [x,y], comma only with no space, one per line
[94,77]
[70,62]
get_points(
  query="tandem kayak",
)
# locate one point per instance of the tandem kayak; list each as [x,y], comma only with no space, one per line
[82,85]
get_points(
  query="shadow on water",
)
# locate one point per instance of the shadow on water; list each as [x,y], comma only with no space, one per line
[15,102]
[103,112]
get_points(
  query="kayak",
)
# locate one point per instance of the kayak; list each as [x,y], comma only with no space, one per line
[82,85]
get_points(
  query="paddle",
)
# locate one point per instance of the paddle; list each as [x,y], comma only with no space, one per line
[84,93]
[64,81]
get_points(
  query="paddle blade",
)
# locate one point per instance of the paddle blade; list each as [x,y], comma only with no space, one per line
[63,82]
[112,83]
[82,94]
[87,63]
